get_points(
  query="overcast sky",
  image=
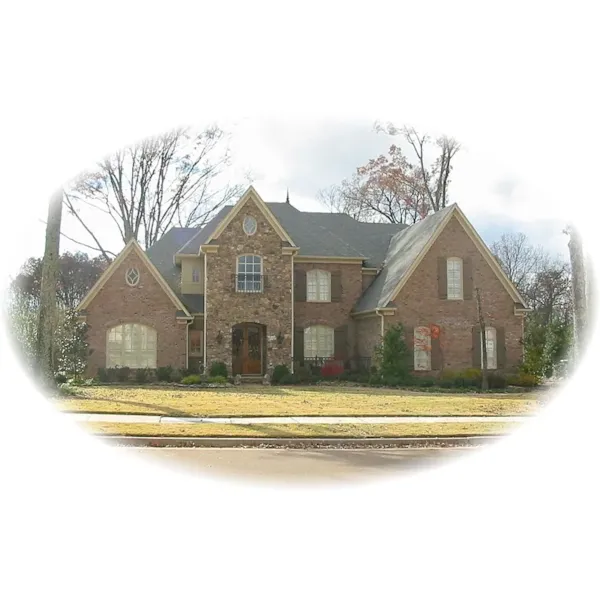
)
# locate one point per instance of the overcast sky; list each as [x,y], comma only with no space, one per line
[306,156]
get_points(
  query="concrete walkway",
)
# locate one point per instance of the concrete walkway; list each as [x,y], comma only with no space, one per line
[117,418]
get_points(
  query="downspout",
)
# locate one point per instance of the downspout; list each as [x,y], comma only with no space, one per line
[205,313]
[187,344]
[382,322]
[293,324]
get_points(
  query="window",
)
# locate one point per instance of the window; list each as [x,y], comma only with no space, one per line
[454,268]
[131,345]
[318,286]
[196,347]
[490,343]
[318,342]
[132,277]
[249,274]
[196,276]
[422,348]
[249,225]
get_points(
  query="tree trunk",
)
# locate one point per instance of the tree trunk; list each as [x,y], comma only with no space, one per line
[484,372]
[50,267]
[579,292]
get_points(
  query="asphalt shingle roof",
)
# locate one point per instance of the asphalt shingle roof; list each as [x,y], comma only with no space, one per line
[394,247]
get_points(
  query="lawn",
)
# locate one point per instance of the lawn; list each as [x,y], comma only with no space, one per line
[298,431]
[275,401]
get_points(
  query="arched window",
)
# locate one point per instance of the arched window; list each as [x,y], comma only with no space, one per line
[318,342]
[131,345]
[249,273]
[490,344]
[454,270]
[318,286]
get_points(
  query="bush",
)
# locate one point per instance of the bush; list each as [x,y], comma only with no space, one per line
[176,376]
[218,369]
[123,374]
[332,368]
[424,381]
[164,373]
[217,379]
[60,378]
[143,375]
[393,354]
[391,381]
[278,372]
[524,380]
[192,380]
[289,379]
[496,381]
[303,374]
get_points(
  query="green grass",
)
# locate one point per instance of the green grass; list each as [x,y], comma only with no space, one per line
[298,430]
[282,401]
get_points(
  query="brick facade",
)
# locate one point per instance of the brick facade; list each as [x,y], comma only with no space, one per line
[225,307]
[147,304]
[419,305]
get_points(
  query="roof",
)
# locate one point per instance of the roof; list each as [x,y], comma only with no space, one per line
[161,255]
[403,250]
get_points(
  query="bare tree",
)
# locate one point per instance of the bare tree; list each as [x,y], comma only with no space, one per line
[435,179]
[580,320]
[484,362]
[175,179]
[47,315]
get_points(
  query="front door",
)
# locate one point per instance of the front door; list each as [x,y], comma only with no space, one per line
[247,349]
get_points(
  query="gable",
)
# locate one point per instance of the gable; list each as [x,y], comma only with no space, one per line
[250,196]
[131,255]
[409,247]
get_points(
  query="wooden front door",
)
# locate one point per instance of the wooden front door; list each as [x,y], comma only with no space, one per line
[247,349]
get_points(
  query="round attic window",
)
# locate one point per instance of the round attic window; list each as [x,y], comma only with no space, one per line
[132,277]
[249,225]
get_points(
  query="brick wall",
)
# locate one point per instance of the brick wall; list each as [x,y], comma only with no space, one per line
[147,304]
[225,307]
[418,302]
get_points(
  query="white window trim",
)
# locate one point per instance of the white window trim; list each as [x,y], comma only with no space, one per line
[237,273]
[246,218]
[129,271]
[422,356]
[490,332]
[136,358]
[316,273]
[320,330]
[449,262]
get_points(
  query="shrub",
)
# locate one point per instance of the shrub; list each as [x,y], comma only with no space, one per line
[102,375]
[164,373]
[217,379]
[123,373]
[393,354]
[524,380]
[192,380]
[289,379]
[278,372]
[391,381]
[332,368]
[496,381]
[375,379]
[143,375]
[176,376]
[60,378]
[303,374]
[218,368]
[424,381]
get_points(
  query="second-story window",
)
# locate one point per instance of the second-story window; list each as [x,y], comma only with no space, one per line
[318,286]
[454,270]
[196,275]
[249,274]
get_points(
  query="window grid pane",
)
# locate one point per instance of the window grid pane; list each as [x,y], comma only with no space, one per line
[422,349]
[249,274]
[454,278]
[318,286]
[318,342]
[131,345]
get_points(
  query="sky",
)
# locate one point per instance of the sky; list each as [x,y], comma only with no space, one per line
[306,156]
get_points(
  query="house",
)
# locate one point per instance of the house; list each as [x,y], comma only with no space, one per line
[264,284]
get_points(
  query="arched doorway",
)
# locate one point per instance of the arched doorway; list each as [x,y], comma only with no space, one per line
[248,349]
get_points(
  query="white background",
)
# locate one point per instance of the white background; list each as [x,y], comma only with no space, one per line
[516,81]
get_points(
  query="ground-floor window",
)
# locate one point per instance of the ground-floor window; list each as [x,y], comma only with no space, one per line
[422,349]
[131,345]
[318,342]
[490,344]
[196,347]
